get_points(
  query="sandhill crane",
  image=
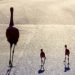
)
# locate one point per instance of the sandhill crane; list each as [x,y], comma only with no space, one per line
[12,35]
[67,53]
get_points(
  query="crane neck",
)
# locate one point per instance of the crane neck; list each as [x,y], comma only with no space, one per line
[11,17]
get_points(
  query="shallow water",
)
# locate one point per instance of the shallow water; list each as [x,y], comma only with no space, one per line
[51,38]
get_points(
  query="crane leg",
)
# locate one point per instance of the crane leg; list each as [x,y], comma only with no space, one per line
[13,53]
[68,60]
[10,63]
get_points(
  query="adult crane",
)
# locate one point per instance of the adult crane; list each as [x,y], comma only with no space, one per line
[12,34]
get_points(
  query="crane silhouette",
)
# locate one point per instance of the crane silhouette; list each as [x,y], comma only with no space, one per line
[12,34]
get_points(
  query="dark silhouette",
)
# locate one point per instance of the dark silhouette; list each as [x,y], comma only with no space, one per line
[12,35]
[43,57]
[67,53]
[67,67]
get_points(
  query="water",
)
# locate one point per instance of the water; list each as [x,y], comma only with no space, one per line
[51,38]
